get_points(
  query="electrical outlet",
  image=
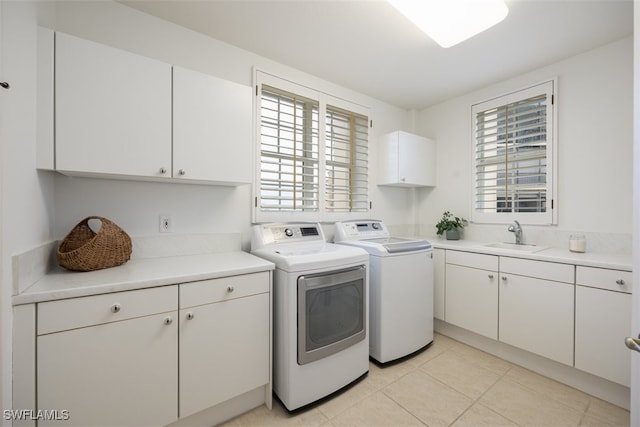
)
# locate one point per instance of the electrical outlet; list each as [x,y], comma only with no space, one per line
[166,225]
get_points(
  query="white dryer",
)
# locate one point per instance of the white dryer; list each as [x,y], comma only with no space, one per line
[320,311]
[401,283]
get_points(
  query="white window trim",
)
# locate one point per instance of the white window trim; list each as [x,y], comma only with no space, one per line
[262,77]
[538,218]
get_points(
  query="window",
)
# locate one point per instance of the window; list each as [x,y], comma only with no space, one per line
[288,152]
[313,154]
[514,157]
[346,161]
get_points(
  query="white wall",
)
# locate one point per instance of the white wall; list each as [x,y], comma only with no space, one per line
[135,206]
[40,206]
[26,194]
[635,316]
[595,131]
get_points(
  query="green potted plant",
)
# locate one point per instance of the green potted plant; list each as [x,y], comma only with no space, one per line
[450,225]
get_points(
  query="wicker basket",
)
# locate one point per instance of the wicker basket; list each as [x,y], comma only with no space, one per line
[85,250]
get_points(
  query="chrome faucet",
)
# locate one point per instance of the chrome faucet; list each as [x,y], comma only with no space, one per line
[517,229]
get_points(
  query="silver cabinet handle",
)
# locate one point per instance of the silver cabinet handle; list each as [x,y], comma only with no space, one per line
[115,308]
[190,316]
[182,172]
[168,320]
[620,282]
[163,170]
[490,276]
[633,343]
[230,289]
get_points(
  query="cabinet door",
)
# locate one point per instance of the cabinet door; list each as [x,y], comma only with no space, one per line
[438,283]
[113,110]
[537,315]
[119,373]
[211,128]
[224,351]
[472,299]
[603,320]
[416,160]
[406,160]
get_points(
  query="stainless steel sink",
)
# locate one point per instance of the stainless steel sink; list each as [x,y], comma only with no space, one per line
[514,247]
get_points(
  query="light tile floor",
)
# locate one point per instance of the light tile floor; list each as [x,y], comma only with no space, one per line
[449,384]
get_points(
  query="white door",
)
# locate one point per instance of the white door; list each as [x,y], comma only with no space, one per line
[4,307]
[635,359]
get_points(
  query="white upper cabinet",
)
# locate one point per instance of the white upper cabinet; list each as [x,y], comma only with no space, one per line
[406,160]
[44,101]
[112,110]
[211,128]
[123,115]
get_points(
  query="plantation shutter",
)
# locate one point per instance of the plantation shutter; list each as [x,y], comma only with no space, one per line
[346,161]
[289,157]
[513,153]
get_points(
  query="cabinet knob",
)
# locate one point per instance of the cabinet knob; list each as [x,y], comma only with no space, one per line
[620,282]
[115,308]
[230,289]
[504,278]
[182,172]
[168,320]
[490,276]
[5,85]
[190,316]
[403,179]
[163,170]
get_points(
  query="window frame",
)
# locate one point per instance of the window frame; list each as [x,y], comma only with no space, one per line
[321,215]
[549,88]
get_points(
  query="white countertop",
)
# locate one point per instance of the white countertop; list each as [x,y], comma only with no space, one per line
[589,259]
[141,273]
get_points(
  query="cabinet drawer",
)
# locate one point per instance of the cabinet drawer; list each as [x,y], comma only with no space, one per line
[604,278]
[55,316]
[222,289]
[539,269]
[469,259]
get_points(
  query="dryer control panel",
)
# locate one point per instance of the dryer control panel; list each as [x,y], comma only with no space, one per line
[268,234]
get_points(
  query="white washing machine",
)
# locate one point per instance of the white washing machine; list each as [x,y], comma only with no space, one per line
[401,283]
[320,311]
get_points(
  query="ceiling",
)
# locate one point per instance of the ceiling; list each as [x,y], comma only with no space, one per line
[369,47]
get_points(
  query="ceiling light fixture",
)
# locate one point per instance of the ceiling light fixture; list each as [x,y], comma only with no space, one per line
[449,22]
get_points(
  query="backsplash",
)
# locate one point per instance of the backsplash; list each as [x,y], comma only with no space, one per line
[30,266]
[616,243]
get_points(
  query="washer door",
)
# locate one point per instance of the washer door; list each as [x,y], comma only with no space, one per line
[332,312]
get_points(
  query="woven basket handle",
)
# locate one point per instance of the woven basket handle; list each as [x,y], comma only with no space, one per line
[99,218]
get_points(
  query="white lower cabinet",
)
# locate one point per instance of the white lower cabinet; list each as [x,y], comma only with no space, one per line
[536,314]
[471,300]
[110,364]
[575,315]
[224,339]
[438,283]
[603,320]
[140,358]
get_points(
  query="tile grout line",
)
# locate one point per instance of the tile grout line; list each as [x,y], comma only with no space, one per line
[477,400]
